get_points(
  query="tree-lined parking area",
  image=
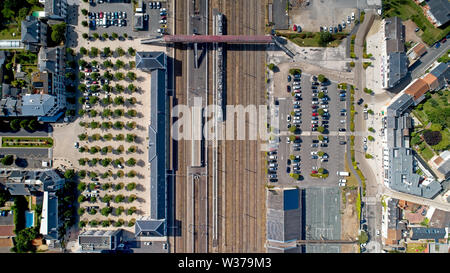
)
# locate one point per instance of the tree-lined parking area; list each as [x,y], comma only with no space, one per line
[24,142]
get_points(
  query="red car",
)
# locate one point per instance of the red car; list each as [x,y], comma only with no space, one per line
[314,114]
[100,15]
[294,28]
[313,171]
[297,91]
[444,40]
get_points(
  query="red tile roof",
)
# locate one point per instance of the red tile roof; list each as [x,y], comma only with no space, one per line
[431,80]
[6,231]
[417,89]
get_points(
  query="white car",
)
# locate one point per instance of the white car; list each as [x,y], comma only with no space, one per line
[163,21]
[313,152]
[343,180]
[288,118]
[341,184]
[365,140]
[76,145]
[353,16]
[163,9]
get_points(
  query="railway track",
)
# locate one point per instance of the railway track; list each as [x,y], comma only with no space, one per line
[241,177]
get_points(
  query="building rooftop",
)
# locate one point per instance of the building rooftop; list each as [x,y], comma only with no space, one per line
[37,105]
[394,214]
[51,59]
[152,228]
[417,89]
[49,218]
[395,35]
[158,144]
[151,60]
[397,107]
[56,9]
[33,33]
[398,67]
[402,177]
[439,11]
[428,233]
[283,220]
[94,240]
[419,49]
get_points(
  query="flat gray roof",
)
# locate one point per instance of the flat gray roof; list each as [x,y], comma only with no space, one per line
[283,216]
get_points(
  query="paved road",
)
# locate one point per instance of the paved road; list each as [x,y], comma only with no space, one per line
[371,211]
[430,57]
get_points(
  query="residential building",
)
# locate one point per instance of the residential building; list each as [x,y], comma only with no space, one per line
[416,52]
[437,12]
[42,183]
[45,97]
[417,90]
[419,233]
[34,33]
[155,224]
[399,163]
[442,73]
[394,62]
[52,60]
[56,9]
[283,216]
[99,240]
[444,163]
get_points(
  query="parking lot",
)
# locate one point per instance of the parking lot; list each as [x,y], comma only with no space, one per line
[305,117]
[151,19]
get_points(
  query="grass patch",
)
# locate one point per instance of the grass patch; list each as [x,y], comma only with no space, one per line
[311,39]
[416,247]
[408,9]
[7,33]
[27,142]
[427,153]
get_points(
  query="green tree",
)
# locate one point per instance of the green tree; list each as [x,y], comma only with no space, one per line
[131,186]
[324,38]
[131,162]
[120,51]
[321,78]
[14,124]
[69,174]
[24,123]
[58,32]
[7,160]
[131,51]
[362,238]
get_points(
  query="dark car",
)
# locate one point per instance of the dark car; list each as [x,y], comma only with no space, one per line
[360,101]
[438,45]
[342,142]
[288,88]
[341,129]
[289,78]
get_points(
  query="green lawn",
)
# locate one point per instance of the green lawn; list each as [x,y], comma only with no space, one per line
[427,154]
[27,142]
[408,9]
[7,33]
[311,39]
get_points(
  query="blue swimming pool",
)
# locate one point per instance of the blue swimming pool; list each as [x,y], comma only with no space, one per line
[29,219]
